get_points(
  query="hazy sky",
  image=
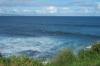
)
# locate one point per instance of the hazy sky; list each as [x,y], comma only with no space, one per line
[50,7]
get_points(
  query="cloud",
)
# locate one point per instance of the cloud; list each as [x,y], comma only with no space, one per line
[50,7]
[52,10]
[98,5]
[47,10]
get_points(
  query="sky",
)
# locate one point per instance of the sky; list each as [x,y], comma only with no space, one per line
[50,7]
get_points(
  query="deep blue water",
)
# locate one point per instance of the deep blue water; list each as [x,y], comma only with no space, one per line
[43,36]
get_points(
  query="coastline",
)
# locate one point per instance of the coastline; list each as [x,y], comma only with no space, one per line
[66,57]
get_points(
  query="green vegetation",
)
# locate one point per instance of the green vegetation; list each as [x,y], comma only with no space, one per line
[19,61]
[86,57]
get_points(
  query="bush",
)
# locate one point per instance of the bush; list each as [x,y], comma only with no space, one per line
[66,57]
[89,57]
[24,61]
[4,61]
[19,61]
[96,47]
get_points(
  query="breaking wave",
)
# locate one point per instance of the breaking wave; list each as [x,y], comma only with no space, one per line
[43,46]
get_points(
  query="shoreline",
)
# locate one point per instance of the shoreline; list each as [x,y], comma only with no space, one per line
[86,57]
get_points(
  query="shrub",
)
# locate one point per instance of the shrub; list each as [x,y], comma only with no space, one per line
[4,61]
[66,57]
[96,47]
[24,61]
[90,57]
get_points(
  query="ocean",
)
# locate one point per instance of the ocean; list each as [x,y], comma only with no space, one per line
[44,36]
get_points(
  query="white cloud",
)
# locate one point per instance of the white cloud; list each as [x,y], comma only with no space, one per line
[98,5]
[65,9]
[47,10]
[52,10]
[40,12]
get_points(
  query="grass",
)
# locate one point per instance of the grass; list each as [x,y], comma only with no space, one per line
[19,61]
[87,57]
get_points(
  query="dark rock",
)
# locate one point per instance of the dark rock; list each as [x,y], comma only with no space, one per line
[29,52]
[0,55]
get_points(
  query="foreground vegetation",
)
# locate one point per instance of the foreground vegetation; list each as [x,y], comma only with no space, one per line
[86,57]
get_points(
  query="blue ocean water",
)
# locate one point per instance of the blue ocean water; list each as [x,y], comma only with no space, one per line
[43,36]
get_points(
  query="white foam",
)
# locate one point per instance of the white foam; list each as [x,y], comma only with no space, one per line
[88,47]
[45,44]
[15,44]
